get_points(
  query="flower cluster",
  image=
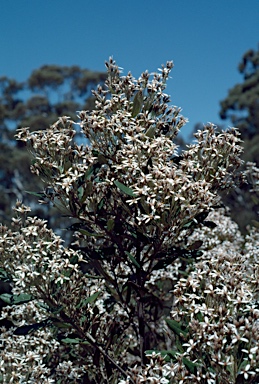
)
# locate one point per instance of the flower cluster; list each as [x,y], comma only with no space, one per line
[216,306]
[137,206]
[49,307]
[215,314]
[131,163]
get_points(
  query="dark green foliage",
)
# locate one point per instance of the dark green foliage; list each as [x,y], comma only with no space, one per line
[16,299]
[242,107]
[137,103]
[242,103]
[26,329]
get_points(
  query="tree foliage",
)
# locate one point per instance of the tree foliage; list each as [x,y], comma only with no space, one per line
[242,107]
[242,102]
[49,92]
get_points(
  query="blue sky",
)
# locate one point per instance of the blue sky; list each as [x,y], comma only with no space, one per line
[205,38]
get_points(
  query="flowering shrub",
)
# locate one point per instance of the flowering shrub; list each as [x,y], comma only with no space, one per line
[217,307]
[143,219]
[215,314]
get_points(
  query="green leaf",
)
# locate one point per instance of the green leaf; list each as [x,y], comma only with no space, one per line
[128,294]
[200,317]
[4,275]
[83,320]
[242,365]
[198,219]
[16,299]
[5,287]
[194,246]
[57,309]
[88,188]
[80,192]
[38,194]
[75,226]
[26,329]
[201,216]
[124,188]
[89,173]
[151,132]
[143,206]
[74,259]
[71,341]
[179,346]
[190,224]
[22,298]
[148,102]
[95,152]
[133,260]
[102,159]
[6,297]
[209,224]
[255,223]
[72,205]
[90,300]
[100,204]
[176,327]
[60,324]
[137,103]
[110,225]
[86,233]
[82,228]
[192,367]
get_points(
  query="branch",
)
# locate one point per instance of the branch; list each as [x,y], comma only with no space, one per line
[94,343]
[86,336]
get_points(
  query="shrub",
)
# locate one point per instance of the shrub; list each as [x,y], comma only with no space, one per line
[93,311]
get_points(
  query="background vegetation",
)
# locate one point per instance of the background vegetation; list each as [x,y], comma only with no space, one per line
[50,91]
